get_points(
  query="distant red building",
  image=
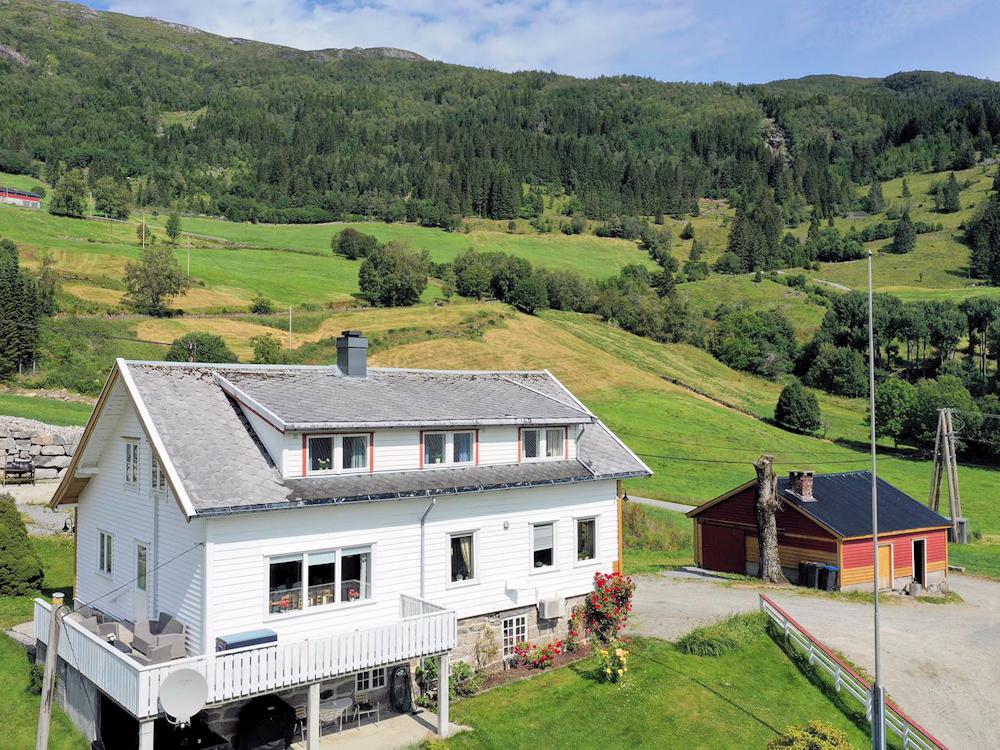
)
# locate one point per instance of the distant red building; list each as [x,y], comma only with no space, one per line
[20,198]
[827,519]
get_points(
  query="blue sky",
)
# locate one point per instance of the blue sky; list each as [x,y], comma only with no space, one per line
[670,40]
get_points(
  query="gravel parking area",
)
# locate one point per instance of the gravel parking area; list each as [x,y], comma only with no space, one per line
[941,663]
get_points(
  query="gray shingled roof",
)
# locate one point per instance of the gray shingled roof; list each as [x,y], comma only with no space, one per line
[224,468]
[322,398]
[843,503]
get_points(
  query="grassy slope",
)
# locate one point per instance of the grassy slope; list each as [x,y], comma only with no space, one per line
[17,706]
[671,700]
[49,410]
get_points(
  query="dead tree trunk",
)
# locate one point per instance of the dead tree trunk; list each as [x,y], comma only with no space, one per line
[765,506]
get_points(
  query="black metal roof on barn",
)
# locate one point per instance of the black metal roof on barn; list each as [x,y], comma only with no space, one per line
[843,504]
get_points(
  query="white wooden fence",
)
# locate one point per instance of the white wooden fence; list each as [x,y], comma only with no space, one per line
[423,629]
[846,680]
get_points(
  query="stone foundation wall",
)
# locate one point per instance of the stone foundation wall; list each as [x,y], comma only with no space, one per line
[472,629]
[49,448]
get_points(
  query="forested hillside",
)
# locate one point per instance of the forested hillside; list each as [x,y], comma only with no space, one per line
[259,132]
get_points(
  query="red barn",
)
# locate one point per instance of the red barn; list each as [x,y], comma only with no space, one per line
[20,198]
[827,519]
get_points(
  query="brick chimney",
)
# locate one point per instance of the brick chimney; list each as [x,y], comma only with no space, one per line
[352,354]
[801,484]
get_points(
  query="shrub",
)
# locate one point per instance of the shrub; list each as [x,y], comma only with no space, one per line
[353,244]
[20,569]
[464,680]
[487,647]
[267,349]
[261,306]
[612,662]
[726,636]
[200,346]
[797,409]
[813,736]
[574,630]
[36,675]
[606,608]
[535,656]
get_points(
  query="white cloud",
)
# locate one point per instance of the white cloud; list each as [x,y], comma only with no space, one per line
[581,37]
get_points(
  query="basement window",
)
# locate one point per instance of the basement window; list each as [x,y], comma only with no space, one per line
[515,631]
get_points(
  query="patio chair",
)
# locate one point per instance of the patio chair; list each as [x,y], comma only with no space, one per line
[166,630]
[364,705]
[17,470]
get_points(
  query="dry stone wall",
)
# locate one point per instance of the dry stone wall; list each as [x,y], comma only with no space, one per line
[50,448]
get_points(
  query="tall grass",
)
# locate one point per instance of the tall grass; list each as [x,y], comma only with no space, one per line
[727,636]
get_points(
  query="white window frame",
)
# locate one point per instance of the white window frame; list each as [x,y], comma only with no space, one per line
[542,444]
[157,477]
[474,533]
[337,453]
[576,536]
[105,552]
[145,574]
[133,463]
[370,679]
[513,630]
[531,548]
[303,559]
[449,448]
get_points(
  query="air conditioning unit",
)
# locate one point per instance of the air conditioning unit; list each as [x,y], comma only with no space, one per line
[551,608]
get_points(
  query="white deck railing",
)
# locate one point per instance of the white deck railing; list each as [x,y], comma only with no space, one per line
[845,679]
[423,629]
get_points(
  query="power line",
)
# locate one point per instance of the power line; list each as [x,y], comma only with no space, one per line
[730,447]
[743,463]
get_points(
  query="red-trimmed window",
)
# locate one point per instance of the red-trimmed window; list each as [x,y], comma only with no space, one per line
[543,443]
[327,454]
[456,448]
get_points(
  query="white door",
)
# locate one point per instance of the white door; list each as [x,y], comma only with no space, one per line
[141,594]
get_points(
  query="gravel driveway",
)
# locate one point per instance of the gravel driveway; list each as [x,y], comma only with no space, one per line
[941,663]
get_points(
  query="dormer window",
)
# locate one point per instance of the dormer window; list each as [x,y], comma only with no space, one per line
[328,454]
[541,444]
[448,448]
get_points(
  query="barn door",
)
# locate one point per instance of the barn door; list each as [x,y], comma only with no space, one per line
[885,567]
[723,548]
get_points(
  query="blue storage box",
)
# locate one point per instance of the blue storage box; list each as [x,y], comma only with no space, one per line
[242,640]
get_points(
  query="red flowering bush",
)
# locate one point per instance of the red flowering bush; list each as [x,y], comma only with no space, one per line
[535,656]
[574,631]
[607,606]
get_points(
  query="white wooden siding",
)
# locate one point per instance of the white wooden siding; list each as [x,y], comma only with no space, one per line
[399,449]
[133,515]
[240,545]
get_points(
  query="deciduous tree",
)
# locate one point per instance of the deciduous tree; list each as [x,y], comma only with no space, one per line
[154,280]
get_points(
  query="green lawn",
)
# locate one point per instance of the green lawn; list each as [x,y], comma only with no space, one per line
[706,295]
[48,410]
[672,700]
[17,706]
[980,558]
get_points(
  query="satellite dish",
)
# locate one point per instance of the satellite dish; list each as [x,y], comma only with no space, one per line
[183,694]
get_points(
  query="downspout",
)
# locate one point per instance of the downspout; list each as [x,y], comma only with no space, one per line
[423,545]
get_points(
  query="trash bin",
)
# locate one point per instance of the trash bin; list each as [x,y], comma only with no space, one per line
[803,576]
[828,577]
[812,574]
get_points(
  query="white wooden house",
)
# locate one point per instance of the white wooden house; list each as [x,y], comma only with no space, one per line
[353,518]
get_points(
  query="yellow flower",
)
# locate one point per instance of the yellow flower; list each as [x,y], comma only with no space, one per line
[607,671]
[619,652]
[625,669]
[604,652]
[621,671]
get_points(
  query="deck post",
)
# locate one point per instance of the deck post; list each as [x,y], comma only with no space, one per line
[312,718]
[443,695]
[146,727]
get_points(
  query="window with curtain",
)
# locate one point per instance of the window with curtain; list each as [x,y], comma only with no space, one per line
[355,584]
[355,452]
[284,585]
[462,560]
[542,545]
[586,531]
[530,440]
[433,448]
[131,462]
[159,479]
[554,443]
[462,446]
[321,454]
[105,542]
[322,577]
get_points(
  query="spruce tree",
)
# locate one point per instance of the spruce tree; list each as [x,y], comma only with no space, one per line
[875,202]
[951,196]
[20,568]
[906,188]
[904,238]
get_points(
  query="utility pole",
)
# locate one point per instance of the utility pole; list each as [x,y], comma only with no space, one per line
[946,464]
[49,680]
[878,692]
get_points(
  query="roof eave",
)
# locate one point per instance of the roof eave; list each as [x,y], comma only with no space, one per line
[384,497]
[439,423]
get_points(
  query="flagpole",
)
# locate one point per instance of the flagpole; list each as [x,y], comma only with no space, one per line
[878,694]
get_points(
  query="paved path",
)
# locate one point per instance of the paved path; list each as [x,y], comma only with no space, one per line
[941,663]
[33,501]
[679,507]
